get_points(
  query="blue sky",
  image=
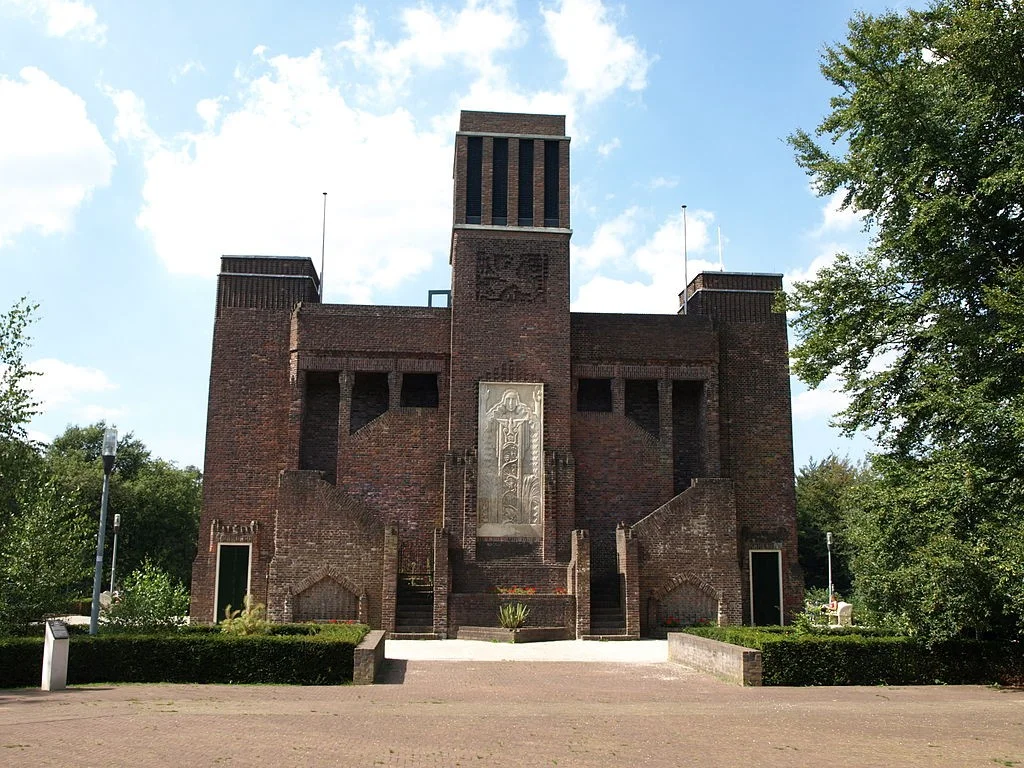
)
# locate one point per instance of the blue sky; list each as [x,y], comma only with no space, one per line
[140,141]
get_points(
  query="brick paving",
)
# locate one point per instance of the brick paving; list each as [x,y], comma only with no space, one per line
[469,713]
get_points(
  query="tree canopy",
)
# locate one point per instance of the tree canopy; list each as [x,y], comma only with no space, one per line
[925,328]
[825,491]
[50,496]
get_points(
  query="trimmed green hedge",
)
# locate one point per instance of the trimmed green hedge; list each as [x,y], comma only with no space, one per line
[194,656]
[860,658]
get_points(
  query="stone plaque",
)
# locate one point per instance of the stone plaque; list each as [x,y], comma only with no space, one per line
[510,460]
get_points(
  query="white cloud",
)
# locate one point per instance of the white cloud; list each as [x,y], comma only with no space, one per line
[661,258]
[608,243]
[130,124]
[63,385]
[825,400]
[252,183]
[433,38]
[825,258]
[608,147]
[661,182]
[63,18]
[662,255]
[209,110]
[52,155]
[598,59]
[190,66]
[834,218]
[249,181]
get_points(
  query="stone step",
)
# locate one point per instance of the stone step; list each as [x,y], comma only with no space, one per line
[405,634]
[621,636]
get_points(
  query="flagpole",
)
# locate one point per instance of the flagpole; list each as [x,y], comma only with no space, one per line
[686,273]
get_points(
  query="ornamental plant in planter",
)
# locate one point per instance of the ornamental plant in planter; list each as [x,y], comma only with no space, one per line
[513,615]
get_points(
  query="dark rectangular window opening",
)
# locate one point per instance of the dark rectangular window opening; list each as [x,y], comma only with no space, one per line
[594,395]
[499,183]
[686,433]
[318,443]
[370,398]
[526,182]
[642,404]
[419,390]
[474,179]
[550,183]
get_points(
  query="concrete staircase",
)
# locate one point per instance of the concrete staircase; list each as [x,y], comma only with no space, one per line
[607,612]
[414,610]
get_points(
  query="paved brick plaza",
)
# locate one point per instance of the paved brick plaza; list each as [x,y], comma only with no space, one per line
[436,713]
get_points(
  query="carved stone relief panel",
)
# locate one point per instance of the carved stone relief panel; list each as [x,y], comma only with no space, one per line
[510,450]
[517,278]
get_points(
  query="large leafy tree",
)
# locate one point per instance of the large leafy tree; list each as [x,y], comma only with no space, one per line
[19,457]
[825,492]
[158,502]
[925,329]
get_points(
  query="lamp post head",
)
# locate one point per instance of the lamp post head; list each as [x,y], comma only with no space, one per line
[117,523]
[109,449]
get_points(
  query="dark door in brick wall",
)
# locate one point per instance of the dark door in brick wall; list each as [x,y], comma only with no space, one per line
[765,588]
[232,577]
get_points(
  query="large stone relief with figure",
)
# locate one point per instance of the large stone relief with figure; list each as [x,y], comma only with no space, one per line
[510,468]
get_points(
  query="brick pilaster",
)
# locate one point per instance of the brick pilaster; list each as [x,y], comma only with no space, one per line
[389,591]
[579,585]
[442,581]
[629,568]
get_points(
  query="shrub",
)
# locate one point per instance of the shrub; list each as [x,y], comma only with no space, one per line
[150,600]
[324,658]
[856,656]
[513,615]
[252,620]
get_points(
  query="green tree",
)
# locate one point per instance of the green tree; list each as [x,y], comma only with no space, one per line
[825,492]
[16,404]
[44,557]
[925,328]
[150,600]
[158,502]
[19,457]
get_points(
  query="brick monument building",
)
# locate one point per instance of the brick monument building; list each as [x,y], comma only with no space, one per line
[403,465]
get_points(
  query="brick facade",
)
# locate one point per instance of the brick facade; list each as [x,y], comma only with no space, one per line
[343,442]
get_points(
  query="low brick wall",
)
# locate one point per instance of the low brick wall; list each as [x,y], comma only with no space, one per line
[481,610]
[522,635]
[732,663]
[368,658]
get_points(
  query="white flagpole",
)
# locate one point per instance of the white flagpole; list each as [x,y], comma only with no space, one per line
[721,264]
[686,272]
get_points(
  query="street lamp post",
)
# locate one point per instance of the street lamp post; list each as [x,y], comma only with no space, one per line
[828,543]
[109,451]
[113,557]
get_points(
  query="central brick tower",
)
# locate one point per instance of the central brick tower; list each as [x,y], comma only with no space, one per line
[509,476]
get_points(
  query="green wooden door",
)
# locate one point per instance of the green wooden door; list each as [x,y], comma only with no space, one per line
[232,577]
